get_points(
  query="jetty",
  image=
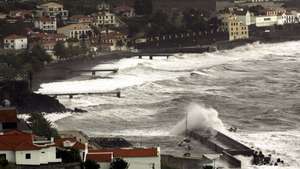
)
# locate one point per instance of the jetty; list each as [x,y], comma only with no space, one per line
[153,55]
[71,95]
[222,144]
[93,71]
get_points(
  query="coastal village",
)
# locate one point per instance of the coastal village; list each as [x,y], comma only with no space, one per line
[38,33]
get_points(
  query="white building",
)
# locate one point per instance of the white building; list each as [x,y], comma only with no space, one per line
[138,158]
[71,143]
[46,24]
[53,9]
[265,21]
[23,148]
[75,31]
[105,19]
[236,29]
[291,17]
[247,19]
[15,42]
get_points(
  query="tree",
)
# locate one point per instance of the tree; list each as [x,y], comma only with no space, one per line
[143,7]
[41,126]
[36,58]
[69,155]
[119,163]
[60,50]
[90,164]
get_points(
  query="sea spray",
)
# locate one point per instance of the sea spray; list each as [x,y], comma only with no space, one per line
[199,117]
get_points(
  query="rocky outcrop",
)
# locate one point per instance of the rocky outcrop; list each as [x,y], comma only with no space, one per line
[20,96]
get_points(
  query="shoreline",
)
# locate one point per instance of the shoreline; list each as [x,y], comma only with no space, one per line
[61,70]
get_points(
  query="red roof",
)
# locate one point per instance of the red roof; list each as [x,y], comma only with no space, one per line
[46,19]
[123,8]
[14,36]
[77,145]
[8,115]
[130,152]
[17,140]
[100,157]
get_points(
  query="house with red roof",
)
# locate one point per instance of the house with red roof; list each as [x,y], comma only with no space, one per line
[15,42]
[26,149]
[138,158]
[46,24]
[71,143]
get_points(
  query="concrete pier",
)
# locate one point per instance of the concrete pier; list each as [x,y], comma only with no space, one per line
[228,147]
[71,95]
[153,55]
[94,71]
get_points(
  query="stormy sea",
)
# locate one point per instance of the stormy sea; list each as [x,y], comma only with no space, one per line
[255,88]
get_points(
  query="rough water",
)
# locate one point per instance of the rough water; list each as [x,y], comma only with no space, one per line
[255,88]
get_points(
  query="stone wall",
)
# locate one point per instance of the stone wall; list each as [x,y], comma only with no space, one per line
[52,166]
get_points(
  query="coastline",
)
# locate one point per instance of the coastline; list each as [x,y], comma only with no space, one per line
[62,70]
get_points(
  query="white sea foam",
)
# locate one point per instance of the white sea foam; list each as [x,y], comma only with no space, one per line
[53,117]
[141,72]
[284,145]
[199,118]
[134,71]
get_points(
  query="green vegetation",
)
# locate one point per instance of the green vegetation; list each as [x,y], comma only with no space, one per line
[119,163]
[8,166]
[13,28]
[166,167]
[41,126]
[143,7]
[13,64]
[69,156]
[192,20]
[89,164]
[71,51]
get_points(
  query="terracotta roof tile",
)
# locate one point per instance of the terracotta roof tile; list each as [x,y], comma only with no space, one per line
[77,145]
[14,36]
[100,157]
[17,140]
[130,152]
[8,115]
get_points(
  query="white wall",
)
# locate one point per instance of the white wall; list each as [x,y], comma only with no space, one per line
[34,160]
[10,155]
[138,163]
[144,162]
[263,21]
[46,26]
[16,44]
[104,165]
[43,156]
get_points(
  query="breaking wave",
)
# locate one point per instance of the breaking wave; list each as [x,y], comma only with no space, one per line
[134,71]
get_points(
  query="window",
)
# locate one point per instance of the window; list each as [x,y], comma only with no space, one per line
[2,157]
[27,156]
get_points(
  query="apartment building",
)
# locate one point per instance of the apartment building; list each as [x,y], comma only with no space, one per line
[53,9]
[15,42]
[75,31]
[46,24]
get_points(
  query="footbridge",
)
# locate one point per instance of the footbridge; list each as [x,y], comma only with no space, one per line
[153,55]
[72,94]
[94,71]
